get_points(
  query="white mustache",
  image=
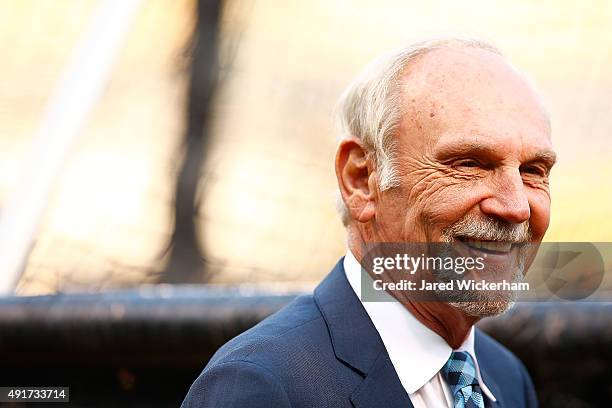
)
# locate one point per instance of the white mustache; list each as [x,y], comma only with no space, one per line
[488,229]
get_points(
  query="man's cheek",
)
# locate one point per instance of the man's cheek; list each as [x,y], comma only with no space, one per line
[539,225]
[446,200]
[433,190]
[540,214]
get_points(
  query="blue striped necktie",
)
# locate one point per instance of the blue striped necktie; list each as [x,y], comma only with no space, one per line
[460,373]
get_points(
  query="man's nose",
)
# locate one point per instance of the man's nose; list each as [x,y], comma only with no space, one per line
[508,200]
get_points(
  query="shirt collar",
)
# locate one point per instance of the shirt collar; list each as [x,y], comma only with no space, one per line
[417,352]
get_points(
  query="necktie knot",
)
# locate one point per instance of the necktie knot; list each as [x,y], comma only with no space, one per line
[460,374]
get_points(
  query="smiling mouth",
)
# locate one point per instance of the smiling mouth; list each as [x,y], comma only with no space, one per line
[491,247]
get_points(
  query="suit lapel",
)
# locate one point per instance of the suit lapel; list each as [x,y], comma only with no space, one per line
[357,343]
[381,387]
[486,371]
[492,386]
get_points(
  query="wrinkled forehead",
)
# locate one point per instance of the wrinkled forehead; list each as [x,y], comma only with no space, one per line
[466,90]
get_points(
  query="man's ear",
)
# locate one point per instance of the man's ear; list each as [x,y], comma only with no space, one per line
[356,179]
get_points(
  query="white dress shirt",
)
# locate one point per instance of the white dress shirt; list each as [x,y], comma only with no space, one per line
[416,352]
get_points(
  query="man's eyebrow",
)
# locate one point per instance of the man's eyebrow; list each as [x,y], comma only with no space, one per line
[547,156]
[463,148]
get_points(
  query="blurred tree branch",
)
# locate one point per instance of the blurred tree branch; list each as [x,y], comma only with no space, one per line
[187,261]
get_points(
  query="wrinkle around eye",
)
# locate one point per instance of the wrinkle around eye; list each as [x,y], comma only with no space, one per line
[435,180]
[537,182]
[468,173]
[425,171]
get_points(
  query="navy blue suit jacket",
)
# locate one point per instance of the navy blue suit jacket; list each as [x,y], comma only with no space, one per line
[323,351]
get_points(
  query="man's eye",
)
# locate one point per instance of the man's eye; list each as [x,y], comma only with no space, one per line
[534,170]
[467,163]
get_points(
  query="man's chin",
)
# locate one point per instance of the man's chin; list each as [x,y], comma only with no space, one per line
[483,308]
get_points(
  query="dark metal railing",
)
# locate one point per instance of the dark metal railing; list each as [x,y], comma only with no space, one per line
[146,346]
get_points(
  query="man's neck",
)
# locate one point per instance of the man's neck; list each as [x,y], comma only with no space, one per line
[447,321]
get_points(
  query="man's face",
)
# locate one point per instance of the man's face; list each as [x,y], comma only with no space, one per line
[474,144]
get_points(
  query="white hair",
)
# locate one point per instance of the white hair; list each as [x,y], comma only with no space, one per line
[371,108]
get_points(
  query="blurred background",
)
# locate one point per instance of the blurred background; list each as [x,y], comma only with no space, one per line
[156,142]
[166,182]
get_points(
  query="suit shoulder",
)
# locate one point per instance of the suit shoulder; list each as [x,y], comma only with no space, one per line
[488,346]
[283,335]
[289,355]
[505,368]
[236,384]
[505,365]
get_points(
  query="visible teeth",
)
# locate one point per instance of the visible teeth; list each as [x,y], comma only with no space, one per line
[489,245]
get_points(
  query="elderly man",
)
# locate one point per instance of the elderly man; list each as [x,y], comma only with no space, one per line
[443,141]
